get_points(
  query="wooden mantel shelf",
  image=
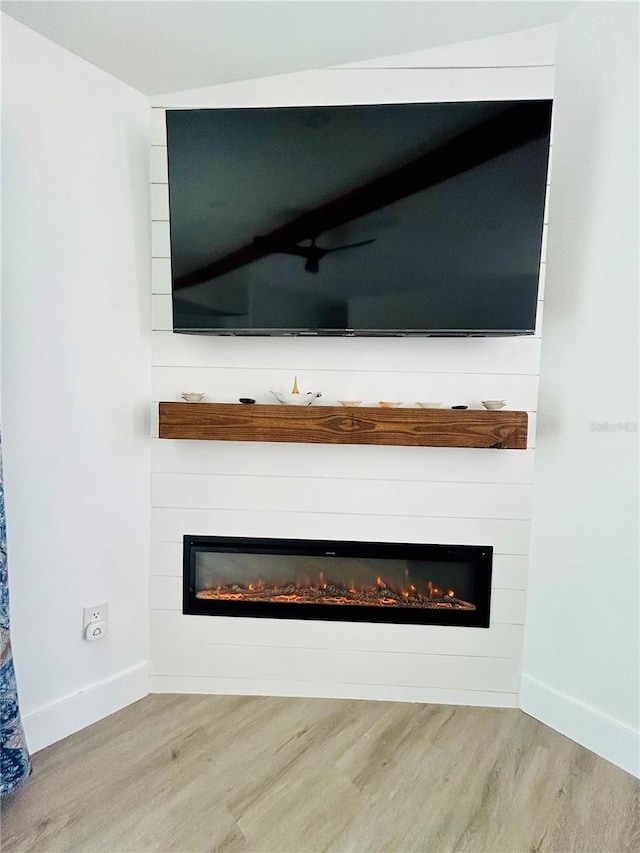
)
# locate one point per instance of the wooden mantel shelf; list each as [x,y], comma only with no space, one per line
[340,425]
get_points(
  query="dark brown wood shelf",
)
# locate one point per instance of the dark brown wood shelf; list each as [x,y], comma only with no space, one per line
[340,425]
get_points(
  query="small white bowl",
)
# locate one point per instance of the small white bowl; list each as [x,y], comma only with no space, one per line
[350,402]
[492,405]
[429,405]
[296,399]
[386,405]
[192,396]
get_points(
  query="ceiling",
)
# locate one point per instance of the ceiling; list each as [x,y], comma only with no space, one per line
[162,46]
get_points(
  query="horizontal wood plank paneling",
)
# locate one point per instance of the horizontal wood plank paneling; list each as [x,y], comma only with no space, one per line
[160,282]
[509,570]
[159,202]
[161,310]
[166,559]
[542,280]
[387,692]
[412,355]
[158,165]
[507,605]
[501,640]
[354,462]
[160,242]
[413,494]
[506,536]
[373,497]
[158,126]
[343,666]
[539,317]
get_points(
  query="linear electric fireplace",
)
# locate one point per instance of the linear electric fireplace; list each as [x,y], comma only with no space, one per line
[336,580]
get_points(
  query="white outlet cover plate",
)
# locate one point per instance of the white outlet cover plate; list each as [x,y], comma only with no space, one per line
[95,613]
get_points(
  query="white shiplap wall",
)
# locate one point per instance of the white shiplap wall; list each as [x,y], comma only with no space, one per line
[320,491]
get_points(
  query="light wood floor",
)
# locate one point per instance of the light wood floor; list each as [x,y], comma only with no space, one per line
[213,773]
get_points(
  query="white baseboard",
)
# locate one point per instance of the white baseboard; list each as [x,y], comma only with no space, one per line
[72,713]
[614,741]
[330,690]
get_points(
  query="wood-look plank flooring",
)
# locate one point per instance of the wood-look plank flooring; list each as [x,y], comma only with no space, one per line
[280,775]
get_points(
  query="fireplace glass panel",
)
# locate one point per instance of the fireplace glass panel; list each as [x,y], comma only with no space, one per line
[338,580]
[334,580]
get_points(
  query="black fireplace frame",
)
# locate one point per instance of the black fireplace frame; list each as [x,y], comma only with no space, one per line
[481,556]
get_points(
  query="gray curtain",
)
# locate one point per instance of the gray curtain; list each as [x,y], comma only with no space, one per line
[15,765]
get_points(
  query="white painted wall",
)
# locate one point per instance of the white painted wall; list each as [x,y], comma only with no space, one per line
[582,638]
[75,383]
[371,493]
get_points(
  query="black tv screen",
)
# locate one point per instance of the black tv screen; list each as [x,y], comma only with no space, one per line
[394,219]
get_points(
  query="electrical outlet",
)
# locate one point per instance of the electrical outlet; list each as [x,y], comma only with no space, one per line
[96,613]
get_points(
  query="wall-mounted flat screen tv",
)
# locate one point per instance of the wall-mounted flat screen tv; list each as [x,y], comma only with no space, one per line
[393,219]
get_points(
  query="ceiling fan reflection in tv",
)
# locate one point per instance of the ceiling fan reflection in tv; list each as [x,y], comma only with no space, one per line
[312,253]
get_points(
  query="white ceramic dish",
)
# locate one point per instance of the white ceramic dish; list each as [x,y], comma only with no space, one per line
[492,405]
[385,404]
[296,399]
[192,396]
[429,405]
[350,402]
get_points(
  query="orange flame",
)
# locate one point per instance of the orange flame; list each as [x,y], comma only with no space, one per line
[380,582]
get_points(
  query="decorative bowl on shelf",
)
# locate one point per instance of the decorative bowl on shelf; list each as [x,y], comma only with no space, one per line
[492,405]
[192,396]
[296,399]
[385,404]
[350,402]
[429,405]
